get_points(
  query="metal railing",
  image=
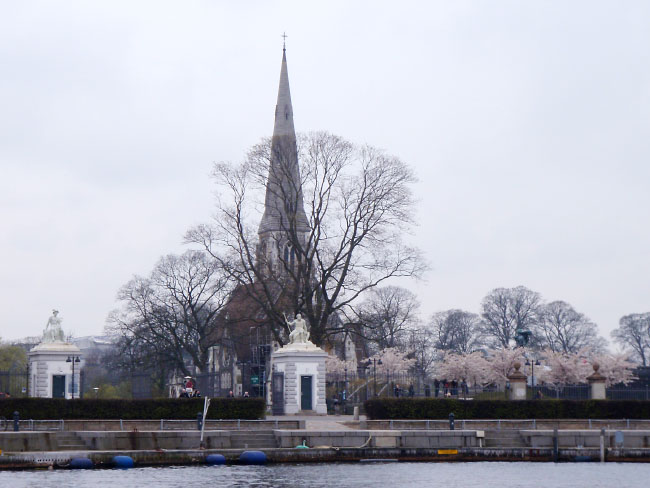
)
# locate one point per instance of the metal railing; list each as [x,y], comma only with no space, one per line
[364,386]
[37,425]
[628,393]
[509,424]
[14,382]
[162,424]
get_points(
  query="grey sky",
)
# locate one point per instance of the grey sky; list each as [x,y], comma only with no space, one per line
[528,124]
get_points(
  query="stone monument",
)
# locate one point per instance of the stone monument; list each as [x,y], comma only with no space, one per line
[52,363]
[517,384]
[597,382]
[302,365]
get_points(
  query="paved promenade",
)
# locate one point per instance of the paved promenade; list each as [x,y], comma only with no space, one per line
[323,422]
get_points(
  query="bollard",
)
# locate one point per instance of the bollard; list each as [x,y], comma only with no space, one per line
[556,446]
[16,421]
[199,420]
[451,421]
[602,445]
[356,413]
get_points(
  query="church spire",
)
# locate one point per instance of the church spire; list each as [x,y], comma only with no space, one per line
[283,109]
[283,206]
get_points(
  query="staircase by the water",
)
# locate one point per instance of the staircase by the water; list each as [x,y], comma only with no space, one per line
[504,438]
[257,439]
[69,441]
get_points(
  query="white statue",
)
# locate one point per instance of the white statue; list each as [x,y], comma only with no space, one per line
[53,331]
[299,334]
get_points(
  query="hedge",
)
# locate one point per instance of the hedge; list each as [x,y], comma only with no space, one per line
[180,408]
[406,408]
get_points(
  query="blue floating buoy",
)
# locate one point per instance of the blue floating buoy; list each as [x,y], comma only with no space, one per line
[123,462]
[252,457]
[215,459]
[81,463]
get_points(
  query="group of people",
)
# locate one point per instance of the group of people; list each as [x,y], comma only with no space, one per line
[188,390]
[450,388]
[232,395]
[397,391]
[447,388]
[185,393]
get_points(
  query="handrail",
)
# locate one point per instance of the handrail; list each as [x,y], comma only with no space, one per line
[165,424]
[499,424]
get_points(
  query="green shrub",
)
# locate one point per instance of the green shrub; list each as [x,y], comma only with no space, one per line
[181,408]
[429,408]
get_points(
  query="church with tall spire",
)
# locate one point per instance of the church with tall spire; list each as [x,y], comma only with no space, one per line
[282,279]
[284,225]
[282,236]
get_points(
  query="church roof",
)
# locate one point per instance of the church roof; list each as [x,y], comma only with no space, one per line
[283,205]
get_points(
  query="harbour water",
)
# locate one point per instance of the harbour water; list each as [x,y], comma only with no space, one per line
[447,475]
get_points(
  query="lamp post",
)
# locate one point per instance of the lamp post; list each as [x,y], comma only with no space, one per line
[73,359]
[345,388]
[532,365]
[374,362]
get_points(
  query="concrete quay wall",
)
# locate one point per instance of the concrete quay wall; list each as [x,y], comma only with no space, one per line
[380,439]
[113,440]
[635,439]
[180,457]
[405,439]
[190,439]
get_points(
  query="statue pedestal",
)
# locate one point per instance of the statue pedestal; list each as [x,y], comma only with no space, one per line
[303,367]
[517,384]
[51,373]
[597,384]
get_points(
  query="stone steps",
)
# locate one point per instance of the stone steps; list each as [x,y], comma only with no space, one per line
[504,438]
[69,441]
[244,440]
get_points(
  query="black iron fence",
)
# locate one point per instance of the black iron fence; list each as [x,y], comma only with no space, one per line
[213,384]
[14,383]
[561,392]
[630,393]
[141,384]
[357,386]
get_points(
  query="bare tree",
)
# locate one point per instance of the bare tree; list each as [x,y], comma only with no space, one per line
[506,310]
[634,334]
[174,314]
[565,330]
[457,331]
[358,205]
[420,345]
[384,317]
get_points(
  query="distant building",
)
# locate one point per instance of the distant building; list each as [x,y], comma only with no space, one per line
[94,344]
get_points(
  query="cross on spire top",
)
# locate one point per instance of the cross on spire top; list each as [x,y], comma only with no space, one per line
[284,41]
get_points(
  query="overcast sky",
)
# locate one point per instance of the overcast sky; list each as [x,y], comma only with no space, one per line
[528,124]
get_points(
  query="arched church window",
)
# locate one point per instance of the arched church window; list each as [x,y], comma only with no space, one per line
[289,255]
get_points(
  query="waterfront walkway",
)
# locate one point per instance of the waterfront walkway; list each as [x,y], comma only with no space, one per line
[323,422]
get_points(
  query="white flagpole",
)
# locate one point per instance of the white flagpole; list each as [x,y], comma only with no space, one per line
[206,404]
